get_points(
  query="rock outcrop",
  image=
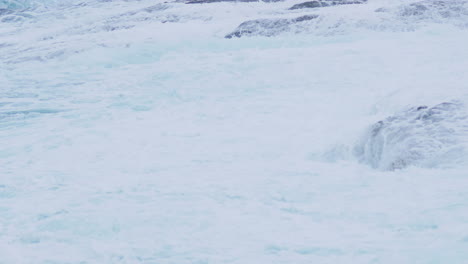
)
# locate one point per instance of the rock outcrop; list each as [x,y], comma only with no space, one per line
[268,27]
[421,136]
[316,4]
[434,10]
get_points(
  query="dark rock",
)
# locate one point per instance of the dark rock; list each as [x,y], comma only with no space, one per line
[311,4]
[435,8]
[421,136]
[304,18]
[316,4]
[267,27]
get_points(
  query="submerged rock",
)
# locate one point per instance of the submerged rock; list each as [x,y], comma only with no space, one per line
[316,4]
[267,27]
[421,136]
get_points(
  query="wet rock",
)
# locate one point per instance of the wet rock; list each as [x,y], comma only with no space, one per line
[316,4]
[435,8]
[414,9]
[304,18]
[311,4]
[267,27]
[421,136]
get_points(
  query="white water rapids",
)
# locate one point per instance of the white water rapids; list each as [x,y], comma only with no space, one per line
[135,132]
